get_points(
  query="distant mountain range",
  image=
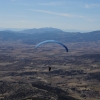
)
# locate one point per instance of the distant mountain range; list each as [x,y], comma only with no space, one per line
[31,36]
[41,30]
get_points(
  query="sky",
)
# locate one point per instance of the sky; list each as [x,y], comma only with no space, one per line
[62,14]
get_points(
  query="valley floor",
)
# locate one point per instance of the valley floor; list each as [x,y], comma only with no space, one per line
[74,75]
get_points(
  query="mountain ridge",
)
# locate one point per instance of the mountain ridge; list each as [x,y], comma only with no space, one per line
[31,36]
[41,30]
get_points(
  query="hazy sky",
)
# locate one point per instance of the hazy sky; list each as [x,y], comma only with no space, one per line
[63,14]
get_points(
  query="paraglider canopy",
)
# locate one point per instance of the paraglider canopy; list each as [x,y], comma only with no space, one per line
[52,41]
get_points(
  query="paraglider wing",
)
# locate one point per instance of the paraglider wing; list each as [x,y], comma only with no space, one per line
[50,41]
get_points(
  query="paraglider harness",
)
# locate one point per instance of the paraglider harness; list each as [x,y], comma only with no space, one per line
[49,68]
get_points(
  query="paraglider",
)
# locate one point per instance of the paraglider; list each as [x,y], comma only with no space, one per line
[49,68]
[52,41]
